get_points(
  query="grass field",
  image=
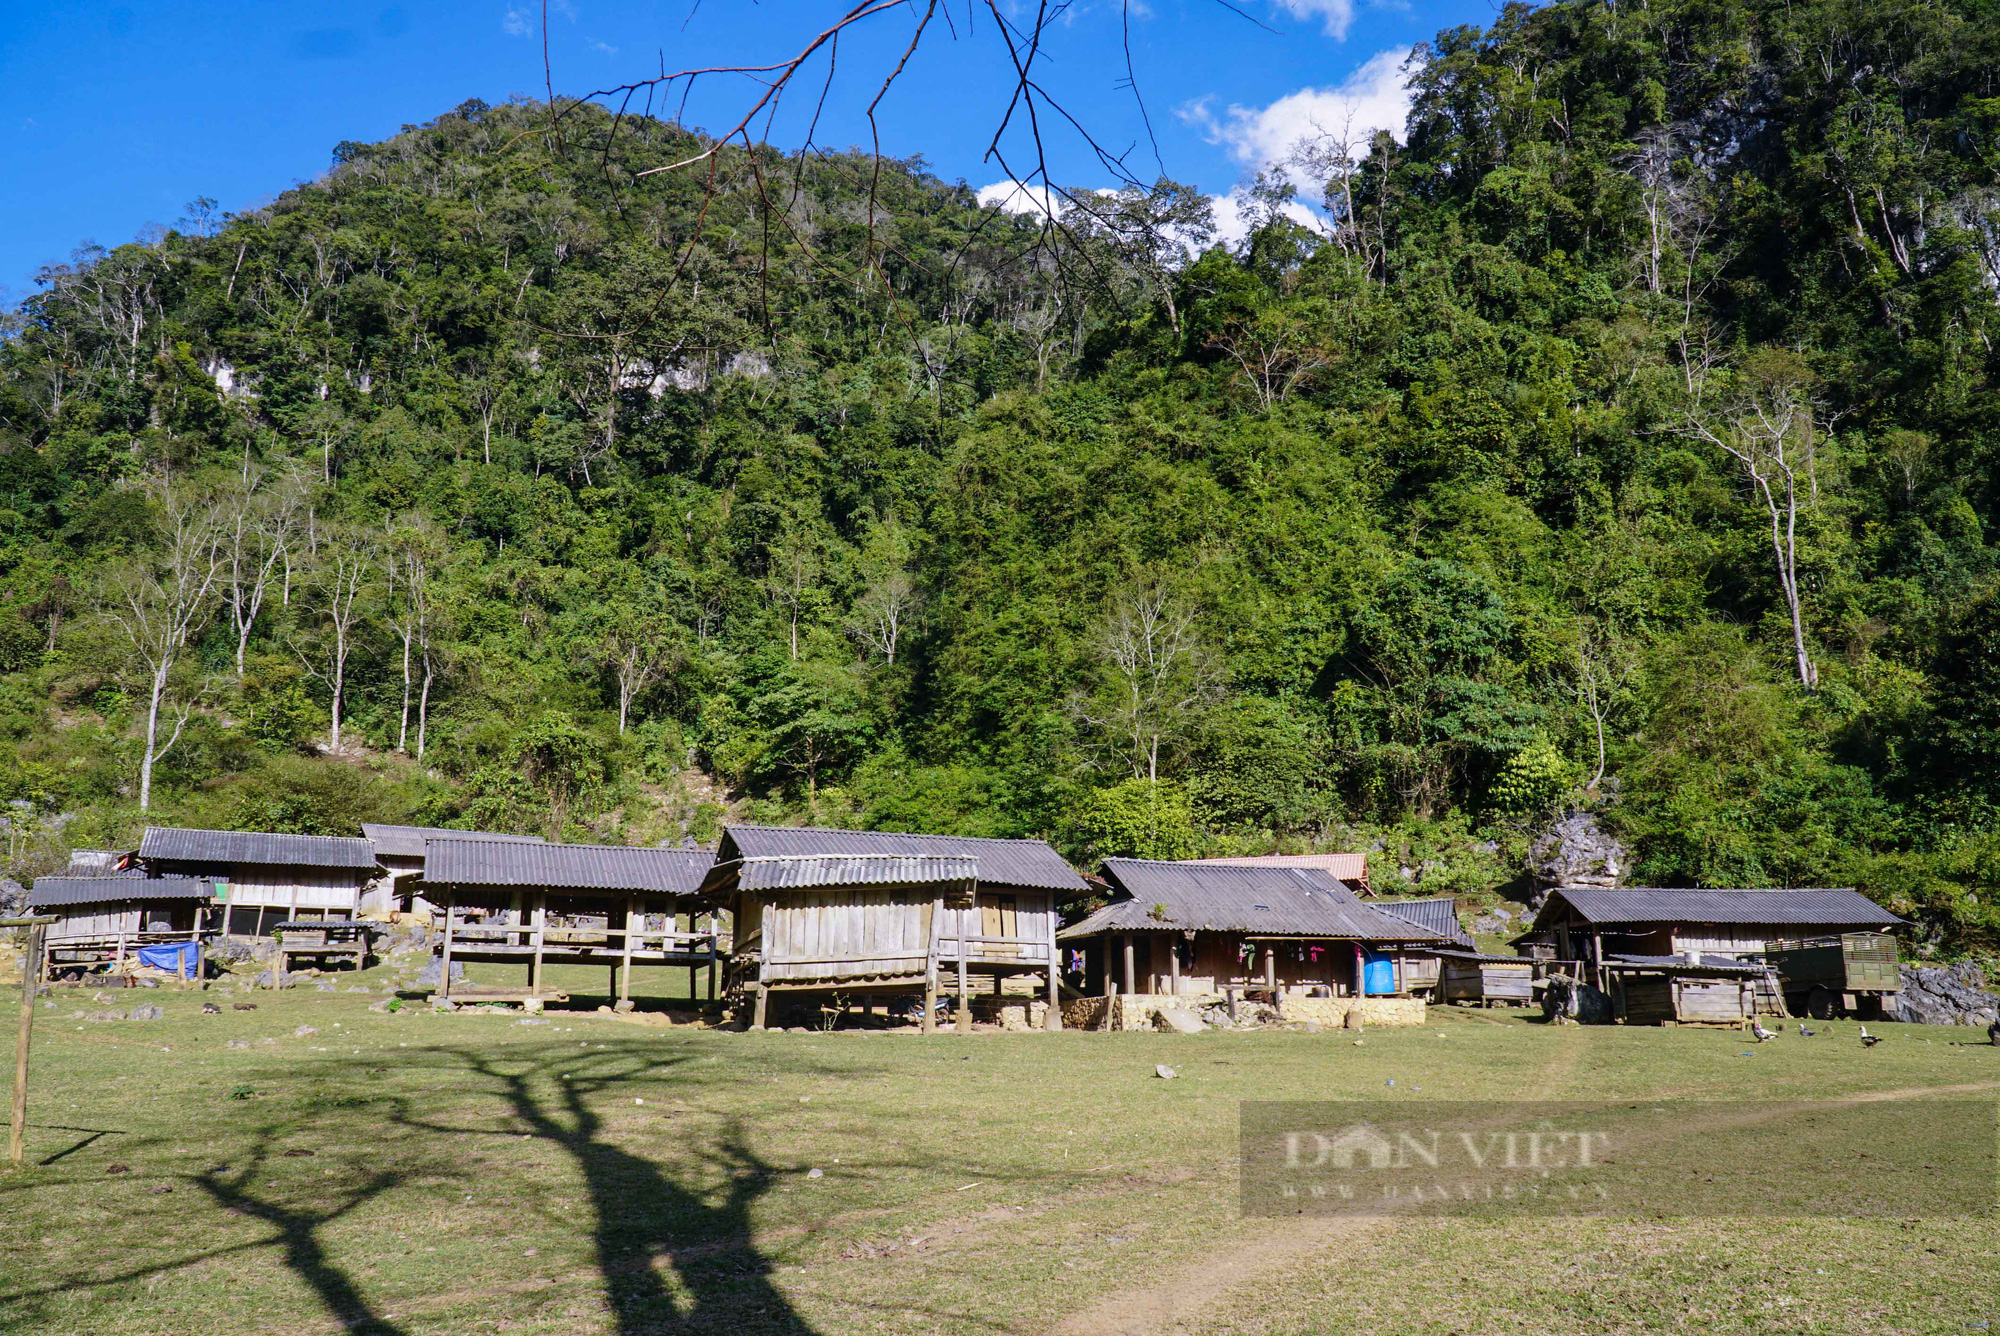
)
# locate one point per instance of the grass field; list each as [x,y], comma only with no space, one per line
[418,1173]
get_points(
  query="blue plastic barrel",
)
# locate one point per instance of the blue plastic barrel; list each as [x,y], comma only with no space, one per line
[1378,975]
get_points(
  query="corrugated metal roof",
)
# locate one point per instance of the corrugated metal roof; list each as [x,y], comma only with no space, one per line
[48,892]
[408,841]
[168,844]
[1348,867]
[1845,907]
[1220,897]
[1027,863]
[788,871]
[569,867]
[1439,914]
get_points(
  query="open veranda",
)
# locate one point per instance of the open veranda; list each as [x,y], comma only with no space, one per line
[427,1173]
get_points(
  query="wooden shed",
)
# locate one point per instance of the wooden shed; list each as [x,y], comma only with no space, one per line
[535,904]
[266,879]
[1476,977]
[106,918]
[1422,966]
[1663,990]
[399,851]
[870,913]
[1194,927]
[1593,925]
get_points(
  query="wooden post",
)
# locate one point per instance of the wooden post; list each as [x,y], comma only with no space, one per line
[625,966]
[963,1017]
[1271,968]
[541,933]
[17,1125]
[444,957]
[761,996]
[1173,967]
[933,932]
[1129,978]
[1054,1019]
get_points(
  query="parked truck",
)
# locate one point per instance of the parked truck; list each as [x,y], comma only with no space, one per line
[1849,974]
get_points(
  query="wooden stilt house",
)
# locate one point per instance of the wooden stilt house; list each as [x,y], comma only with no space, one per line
[1181,928]
[871,913]
[109,917]
[534,905]
[263,879]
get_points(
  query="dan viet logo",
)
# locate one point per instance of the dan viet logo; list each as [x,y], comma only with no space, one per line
[1362,1146]
[1934,1158]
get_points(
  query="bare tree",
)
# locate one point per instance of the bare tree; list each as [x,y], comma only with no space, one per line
[1159,676]
[1275,351]
[161,603]
[639,647]
[792,579]
[260,521]
[1771,429]
[408,555]
[338,582]
[882,613]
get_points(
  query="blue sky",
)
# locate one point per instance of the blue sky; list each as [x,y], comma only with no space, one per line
[114,116]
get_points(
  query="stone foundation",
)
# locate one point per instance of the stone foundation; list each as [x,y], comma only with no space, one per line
[1141,1011]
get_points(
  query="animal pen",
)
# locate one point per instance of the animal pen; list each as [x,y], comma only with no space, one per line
[571,904]
[108,919]
[1665,991]
[871,914]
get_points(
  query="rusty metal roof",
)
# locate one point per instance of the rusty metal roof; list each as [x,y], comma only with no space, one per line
[1220,897]
[408,841]
[1439,914]
[774,872]
[1026,863]
[456,861]
[1775,908]
[1348,867]
[48,892]
[172,845]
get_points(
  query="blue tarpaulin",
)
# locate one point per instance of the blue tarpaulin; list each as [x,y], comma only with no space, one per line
[182,958]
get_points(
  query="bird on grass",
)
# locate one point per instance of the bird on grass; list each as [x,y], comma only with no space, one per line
[1762,1035]
[1803,1032]
[1869,1040]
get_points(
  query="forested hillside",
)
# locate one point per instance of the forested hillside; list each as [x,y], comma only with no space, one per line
[1628,441]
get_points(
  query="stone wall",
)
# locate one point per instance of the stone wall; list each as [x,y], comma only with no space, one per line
[1141,1011]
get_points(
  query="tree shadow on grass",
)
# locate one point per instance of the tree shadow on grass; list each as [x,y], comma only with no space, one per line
[298,1232]
[644,1218]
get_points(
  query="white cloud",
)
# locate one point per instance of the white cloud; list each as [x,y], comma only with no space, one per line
[1336,15]
[515,22]
[1232,217]
[1372,98]
[1016,197]
[606,49]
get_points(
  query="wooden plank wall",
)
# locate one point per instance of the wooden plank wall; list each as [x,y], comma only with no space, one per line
[95,921]
[846,933]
